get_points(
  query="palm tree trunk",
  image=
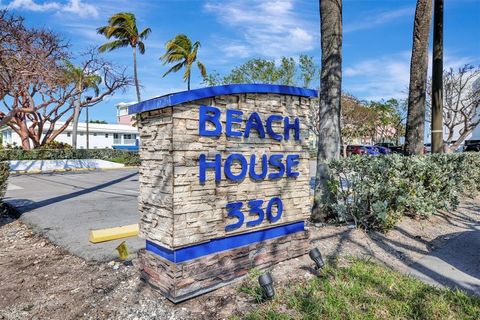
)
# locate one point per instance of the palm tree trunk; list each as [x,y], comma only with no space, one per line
[329,139]
[414,136]
[135,76]
[437,79]
[188,83]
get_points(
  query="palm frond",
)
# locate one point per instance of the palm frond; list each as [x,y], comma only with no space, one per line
[141,47]
[175,68]
[103,30]
[203,70]
[122,18]
[112,45]
[187,72]
[145,33]
[170,58]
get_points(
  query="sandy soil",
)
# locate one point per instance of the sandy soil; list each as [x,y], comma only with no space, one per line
[41,281]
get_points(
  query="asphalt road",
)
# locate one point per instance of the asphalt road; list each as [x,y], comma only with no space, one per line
[66,206]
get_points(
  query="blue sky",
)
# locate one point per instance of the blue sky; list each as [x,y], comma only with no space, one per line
[376,49]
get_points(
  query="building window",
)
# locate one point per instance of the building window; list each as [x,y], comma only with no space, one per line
[106,135]
[81,134]
[94,134]
[117,139]
[69,134]
[128,139]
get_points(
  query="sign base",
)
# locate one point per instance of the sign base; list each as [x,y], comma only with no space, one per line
[185,280]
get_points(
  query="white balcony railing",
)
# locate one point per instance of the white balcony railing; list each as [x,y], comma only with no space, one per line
[129,141]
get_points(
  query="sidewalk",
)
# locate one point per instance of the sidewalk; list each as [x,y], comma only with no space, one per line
[443,250]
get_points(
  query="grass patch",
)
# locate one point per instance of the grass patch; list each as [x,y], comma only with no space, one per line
[361,289]
[117,159]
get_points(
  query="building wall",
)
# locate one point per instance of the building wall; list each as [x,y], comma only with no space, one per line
[122,113]
[97,140]
[100,136]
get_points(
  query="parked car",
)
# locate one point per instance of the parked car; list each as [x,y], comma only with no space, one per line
[383,150]
[372,151]
[393,148]
[356,149]
[472,145]
[427,148]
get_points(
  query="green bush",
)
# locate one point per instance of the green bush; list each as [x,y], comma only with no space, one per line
[127,157]
[56,145]
[375,192]
[4,172]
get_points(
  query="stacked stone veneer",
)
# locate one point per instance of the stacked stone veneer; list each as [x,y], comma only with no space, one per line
[177,211]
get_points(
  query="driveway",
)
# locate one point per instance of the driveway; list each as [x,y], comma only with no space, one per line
[66,206]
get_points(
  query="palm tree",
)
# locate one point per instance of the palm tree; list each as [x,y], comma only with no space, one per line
[181,50]
[82,81]
[329,137]
[123,27]
[414,135]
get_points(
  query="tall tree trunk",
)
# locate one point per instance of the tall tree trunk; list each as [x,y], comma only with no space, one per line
[135,76]
[188,83]
[329,138]
[414,136]
[437,78]
[76,115]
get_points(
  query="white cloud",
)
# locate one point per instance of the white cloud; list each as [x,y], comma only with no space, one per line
[388,76]
[376,19]
[383,77]
[31,5]
[236,50]
[267,28]
[80,8]
[76,7]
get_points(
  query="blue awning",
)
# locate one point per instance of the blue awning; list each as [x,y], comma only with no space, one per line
[172,99]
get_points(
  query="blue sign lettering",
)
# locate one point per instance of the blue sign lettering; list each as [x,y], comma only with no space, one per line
[211,115]
[204,165]
[278,165]
[234,211]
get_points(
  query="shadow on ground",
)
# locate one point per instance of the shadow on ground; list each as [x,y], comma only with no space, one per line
[423,249]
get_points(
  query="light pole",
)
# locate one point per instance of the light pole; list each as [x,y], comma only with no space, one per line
[88,99]
[437,78]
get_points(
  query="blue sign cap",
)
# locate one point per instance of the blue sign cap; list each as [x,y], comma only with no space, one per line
[172,99]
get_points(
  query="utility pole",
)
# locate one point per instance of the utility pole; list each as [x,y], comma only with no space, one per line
[88,99]
[437,78]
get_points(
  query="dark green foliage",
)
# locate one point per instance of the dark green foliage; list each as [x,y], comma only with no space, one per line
[56,145]
[4,173]
[375,192]
[259,70]
[129,158]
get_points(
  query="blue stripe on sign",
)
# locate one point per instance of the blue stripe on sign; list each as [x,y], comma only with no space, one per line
[222,244]
[172,99]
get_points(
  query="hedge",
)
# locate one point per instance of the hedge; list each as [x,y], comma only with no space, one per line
[4,173]
[376,192]
[127,157]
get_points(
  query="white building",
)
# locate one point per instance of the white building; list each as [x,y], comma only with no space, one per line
[117,136]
